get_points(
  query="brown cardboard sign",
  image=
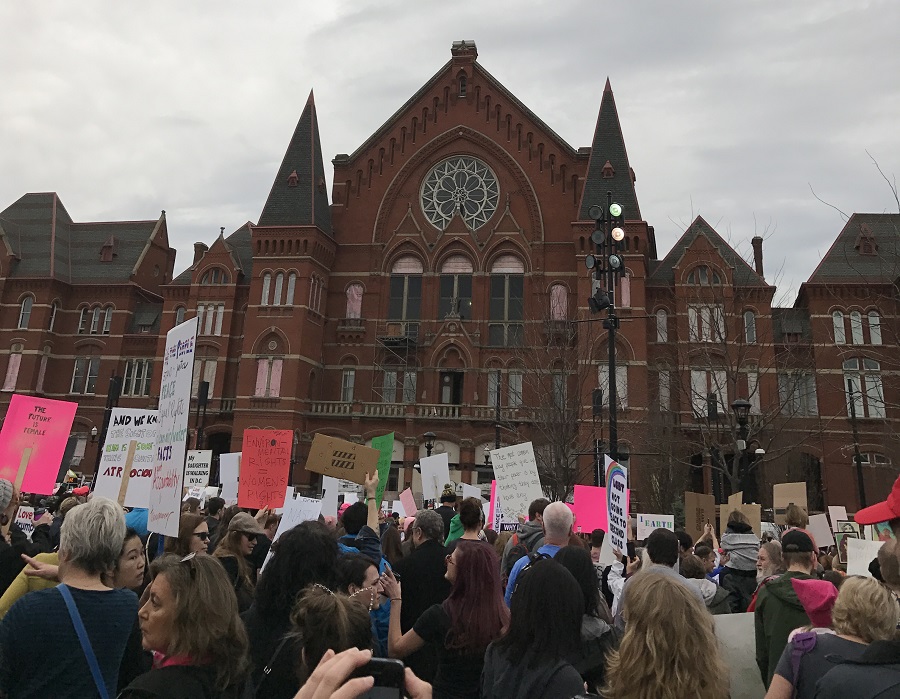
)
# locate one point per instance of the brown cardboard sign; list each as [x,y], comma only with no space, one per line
[699,509]
[783,494]
[339,458]
[736,499]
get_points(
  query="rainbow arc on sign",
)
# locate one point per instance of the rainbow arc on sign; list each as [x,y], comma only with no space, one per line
[614,471]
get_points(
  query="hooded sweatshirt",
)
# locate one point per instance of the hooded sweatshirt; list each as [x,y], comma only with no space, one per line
[717,599]
[502,679]
[875,674]
[778,612]
[531,535]
[743,546]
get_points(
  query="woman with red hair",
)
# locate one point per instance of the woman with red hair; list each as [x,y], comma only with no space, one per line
[460,628]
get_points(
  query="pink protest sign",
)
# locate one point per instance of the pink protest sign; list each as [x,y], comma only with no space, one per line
[590,508]
[408,502]
[33,441]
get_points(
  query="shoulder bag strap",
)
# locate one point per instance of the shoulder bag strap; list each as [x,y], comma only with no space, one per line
[267,670]
[85,641]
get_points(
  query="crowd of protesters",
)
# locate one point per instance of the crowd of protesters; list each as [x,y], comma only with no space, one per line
[93,605]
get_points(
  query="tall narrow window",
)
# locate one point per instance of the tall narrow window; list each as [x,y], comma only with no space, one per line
[95,320]
[753,392]
[621,384]
[874,328]
[455,288]
[201,311]
[665,389]
[204,370]
[354,301]
[559,302]
[493,386]
[266,287]
[138,374]
[12,369]
[25,312]
[705,382]
[451,387]
[210,319]
[107,320]
[405,296]
[506,303]
[856,327]
[864,388]
[42,371]
[559,390]
[54,309]
[706,323]
[268,377]
[840,333]
[625,290]
[514,379]
[409,386]
[348,380]
[179,315]
[797,394]
[220,315]
[279,287]
[662,325]
[291,287]
[750,327]
[83,321]
[84,376]
[389,386]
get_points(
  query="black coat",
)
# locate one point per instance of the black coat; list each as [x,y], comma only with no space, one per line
[178,682]
[875,674]
[446,512]
[265,635]
[11,562]
[423,583]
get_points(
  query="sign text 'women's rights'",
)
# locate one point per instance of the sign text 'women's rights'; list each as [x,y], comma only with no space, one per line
[265,468]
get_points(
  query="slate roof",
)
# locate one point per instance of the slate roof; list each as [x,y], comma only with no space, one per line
[843,261]
[241,248]
[794,321]
[744,274]
[306,202]
[146,314]
[609,146]
[48,243]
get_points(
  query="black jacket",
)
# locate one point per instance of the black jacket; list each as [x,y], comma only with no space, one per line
[874,675]
[178,682]
[446,512]
[265,635]
[423,584]
[11,562]
[503,679]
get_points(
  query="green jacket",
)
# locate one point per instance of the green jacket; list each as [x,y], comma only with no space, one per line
[778,612]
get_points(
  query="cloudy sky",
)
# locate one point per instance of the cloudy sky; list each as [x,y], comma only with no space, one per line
[730,110]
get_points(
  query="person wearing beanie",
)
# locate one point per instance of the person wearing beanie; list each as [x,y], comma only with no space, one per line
[448,507]
[779,610]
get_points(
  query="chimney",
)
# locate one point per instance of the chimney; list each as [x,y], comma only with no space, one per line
[199,251]
[757,255]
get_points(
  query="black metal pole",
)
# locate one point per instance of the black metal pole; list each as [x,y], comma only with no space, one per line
[857,457]
[202,400]
[611,324]
[497,412]
[112,401]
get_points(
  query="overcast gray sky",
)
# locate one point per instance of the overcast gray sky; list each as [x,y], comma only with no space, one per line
[730,109]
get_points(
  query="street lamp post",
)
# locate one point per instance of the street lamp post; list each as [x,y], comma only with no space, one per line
[741,408]
[429,442]
[607,266]
[857,457]
[112,401]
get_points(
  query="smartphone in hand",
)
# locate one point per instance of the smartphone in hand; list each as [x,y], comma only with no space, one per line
[388,674]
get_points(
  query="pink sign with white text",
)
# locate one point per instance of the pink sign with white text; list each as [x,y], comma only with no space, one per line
[33,441]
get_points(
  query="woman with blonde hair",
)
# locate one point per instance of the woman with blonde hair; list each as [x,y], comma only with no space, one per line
[233,551]
[669,650]
[863,612]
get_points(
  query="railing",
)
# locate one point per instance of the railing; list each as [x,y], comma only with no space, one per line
[438,411]
[384,409]
[332,407]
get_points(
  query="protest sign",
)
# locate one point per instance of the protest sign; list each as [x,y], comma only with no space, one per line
[736,634]
[174,406]
[33,441]
[821,530]
[120,467]
[617,503]
[25,520]
[860,554]
[196,468]
[339,458]
[699,509]
[784,494]
[229,470]
[385,447]
[647,523]
[752,511]
[409,502]
[837,513]
[329,496]
[435,475]
[265,467]
[297,510]
[589,508]
[471,491]
[736,499]
[397,506]
[195,492]
[518,484]
[211,491]
[496,518]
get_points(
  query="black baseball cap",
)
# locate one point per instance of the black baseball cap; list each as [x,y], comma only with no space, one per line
[795,541]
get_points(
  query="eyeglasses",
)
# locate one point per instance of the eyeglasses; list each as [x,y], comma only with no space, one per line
[203,536]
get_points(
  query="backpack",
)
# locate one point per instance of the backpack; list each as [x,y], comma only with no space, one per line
[519,550]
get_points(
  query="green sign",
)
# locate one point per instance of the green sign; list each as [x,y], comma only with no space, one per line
[385,447]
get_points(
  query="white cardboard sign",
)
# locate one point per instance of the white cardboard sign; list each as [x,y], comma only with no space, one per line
[647,523]
[229,470]
[518,483]
[435,475]
[127,425]
[196,468]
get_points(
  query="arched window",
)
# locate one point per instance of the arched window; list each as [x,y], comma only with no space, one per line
[874,328]
[54,309]
[279,285]
[625,289]
[456,288]
[405,299]
[12,369]
[291,286]
[856,327]
[559,302]
[840,333]
[506,302]
[662,325]
[214,276]
[25,312]
[750,327]
[462,84]
[266,286]
[863,388]
[354,300]
[95,320]
[179,315]
[83,320]
[703,276]
[107,320]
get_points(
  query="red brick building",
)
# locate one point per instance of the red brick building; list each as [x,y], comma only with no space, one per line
[447,271]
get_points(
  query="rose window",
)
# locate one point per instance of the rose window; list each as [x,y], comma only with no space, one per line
[461,184]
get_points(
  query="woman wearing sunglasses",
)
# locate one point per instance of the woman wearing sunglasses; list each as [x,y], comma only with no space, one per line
[191,625]
[193,536]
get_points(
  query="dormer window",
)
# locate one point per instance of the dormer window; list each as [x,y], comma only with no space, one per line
[293,179]
[109,250]
[865,242]
[608,171]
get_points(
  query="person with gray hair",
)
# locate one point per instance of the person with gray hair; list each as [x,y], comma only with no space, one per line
[88,622]
[557,523]
[424,584]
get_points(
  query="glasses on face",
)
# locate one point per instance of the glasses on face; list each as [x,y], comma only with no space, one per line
[203,536]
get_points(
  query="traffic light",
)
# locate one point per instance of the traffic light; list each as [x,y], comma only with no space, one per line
[599,301]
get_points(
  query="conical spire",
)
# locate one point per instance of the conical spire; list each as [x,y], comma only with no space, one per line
[299,196]
[608,169]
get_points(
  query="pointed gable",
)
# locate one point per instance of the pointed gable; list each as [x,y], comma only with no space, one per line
[743,274]
[299,196]
[608,168]
[865,251]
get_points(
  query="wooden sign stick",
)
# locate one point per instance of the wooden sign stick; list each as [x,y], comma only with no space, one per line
[126,472]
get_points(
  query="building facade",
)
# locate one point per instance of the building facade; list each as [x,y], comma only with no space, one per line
[442,289]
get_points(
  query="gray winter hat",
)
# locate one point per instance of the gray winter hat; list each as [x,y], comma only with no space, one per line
[6,493]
